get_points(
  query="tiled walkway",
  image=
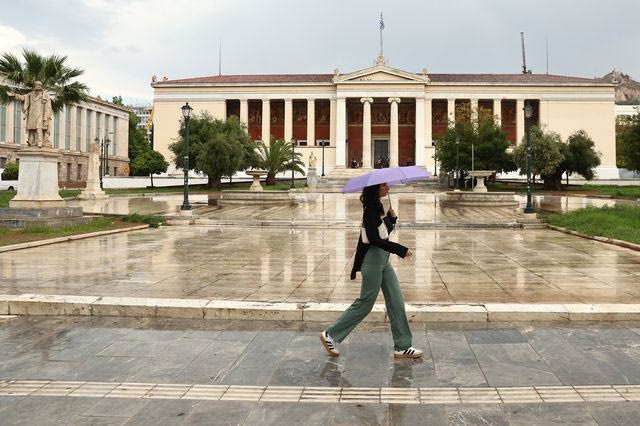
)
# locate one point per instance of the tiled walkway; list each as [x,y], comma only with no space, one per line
[119,370]
[307,265]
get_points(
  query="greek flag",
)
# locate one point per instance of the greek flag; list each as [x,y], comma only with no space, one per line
[381,22]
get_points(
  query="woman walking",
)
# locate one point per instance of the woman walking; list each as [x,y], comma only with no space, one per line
[372,259]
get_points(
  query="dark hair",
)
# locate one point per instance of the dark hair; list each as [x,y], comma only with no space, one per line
[370,197]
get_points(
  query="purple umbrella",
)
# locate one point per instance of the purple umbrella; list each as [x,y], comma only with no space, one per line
[391,175]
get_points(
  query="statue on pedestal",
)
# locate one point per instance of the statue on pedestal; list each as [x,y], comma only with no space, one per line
[312,160]
[36,106]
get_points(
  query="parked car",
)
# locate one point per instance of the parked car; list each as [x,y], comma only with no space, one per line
[7,185]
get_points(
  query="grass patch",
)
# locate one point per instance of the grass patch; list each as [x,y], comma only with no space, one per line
[35,233]
[630,191]
[620,222]
[6,196]
[152,220]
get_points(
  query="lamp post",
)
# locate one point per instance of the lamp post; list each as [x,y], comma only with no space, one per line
[456,186]
[97,140]
[435,162]
[106,142]
[293,157]
[186,113]
[323,144]
[528,113]
[104,156]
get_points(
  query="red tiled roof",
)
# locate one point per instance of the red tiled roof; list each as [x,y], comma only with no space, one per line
[435,78]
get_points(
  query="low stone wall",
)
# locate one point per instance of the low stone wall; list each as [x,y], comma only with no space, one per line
[479,199]
[254,197]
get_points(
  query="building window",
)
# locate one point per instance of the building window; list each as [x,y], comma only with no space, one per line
[115,171]
[79,175]
[3,161]
[78,129]
[56,129]
[3,123]
[17,121]
[68,172]
[67,128]
[115,135]
[88,121]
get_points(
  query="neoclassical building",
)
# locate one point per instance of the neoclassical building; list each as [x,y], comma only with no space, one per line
[73,129]
[386,113]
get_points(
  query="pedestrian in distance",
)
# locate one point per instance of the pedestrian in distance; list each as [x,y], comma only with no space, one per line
[372,260]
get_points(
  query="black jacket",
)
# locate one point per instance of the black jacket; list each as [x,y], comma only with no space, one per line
[371,221]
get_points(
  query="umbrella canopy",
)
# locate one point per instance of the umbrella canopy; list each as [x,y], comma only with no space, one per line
[391,175]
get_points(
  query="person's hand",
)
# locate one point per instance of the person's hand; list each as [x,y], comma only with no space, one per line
[409,253]
[392,213]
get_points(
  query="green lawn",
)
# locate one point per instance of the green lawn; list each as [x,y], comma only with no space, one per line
[620,222]
[5,196]
[631,191]
[34,233]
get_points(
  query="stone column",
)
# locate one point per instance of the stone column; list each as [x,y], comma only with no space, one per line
[519,120]
[9,128]
[311,122]
[393,132]
[497,111]
[288,120]
[428,132]
[474,110]
[366,132]
[341,136]
[451,109]
[332,122]
[266,121]
[72,133]
[223,109]
[244,111]
[420,134]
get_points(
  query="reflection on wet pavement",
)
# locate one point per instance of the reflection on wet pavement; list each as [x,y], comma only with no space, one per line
[313,265]
[123,205]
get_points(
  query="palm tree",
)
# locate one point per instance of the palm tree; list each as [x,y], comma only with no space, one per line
[276,158]
[51,71]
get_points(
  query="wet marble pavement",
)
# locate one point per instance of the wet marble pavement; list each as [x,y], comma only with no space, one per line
[123,205]
[124,370]
[411,207]
[305,265]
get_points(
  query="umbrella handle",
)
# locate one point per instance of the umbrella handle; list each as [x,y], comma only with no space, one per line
[389,197]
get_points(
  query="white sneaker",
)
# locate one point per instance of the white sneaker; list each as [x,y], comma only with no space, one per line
[329,344]
[411,352]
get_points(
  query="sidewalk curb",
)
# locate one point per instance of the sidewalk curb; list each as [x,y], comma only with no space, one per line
[43,304]
[613,241]
[48,241]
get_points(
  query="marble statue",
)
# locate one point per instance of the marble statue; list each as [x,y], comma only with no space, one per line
[36,106]
[312,160]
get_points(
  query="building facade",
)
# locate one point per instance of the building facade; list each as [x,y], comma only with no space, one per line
[383,113]
[73,129]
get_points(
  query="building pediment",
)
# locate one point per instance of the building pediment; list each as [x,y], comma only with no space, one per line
[381,74]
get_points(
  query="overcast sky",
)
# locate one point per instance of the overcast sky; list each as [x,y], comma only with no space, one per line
[121,43]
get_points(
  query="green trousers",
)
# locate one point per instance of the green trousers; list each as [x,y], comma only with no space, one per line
[377,273]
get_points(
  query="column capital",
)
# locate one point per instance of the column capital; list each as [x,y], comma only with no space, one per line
[392,100]
[369,100]
[311,99]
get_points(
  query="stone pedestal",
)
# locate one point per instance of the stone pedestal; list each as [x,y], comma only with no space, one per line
[37,180]
[312,177]
[92,191]
[480,175]
[256,186]
[479,199]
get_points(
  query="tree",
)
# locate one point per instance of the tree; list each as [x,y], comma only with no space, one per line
[277,158]
[51,71]
[216,147]
[489,142]
[551,158]
[117,100]
[630,144]
[149,163]
[10,171]
[546,154]
[138,143]
[581,156]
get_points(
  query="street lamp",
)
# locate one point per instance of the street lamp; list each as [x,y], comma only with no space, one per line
[323,144]
[457,174]
[528,113]
[104,156]
[186,113]
[435,162]
[293,157]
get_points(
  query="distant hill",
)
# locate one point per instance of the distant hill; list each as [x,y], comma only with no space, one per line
[628,90]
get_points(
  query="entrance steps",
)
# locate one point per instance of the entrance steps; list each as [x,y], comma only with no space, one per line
[335,180]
